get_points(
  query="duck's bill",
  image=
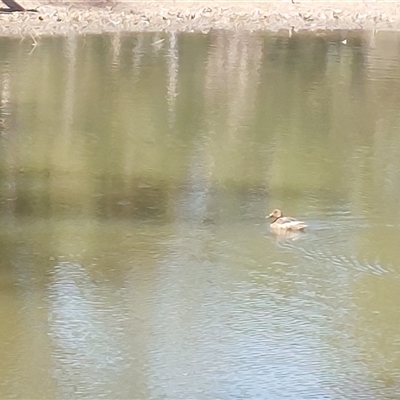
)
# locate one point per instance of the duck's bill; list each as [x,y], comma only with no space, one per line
[269,216]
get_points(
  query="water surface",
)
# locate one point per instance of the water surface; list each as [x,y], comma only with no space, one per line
[136,172]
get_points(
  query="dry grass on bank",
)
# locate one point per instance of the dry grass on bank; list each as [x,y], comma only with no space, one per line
[97,17]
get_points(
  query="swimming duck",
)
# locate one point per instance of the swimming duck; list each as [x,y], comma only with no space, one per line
[281,223]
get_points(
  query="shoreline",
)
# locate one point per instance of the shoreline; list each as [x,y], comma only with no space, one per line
[203,17]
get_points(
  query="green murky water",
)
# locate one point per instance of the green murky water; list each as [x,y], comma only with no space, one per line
[135,175]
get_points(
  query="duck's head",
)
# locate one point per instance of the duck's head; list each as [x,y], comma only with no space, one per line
[275,214]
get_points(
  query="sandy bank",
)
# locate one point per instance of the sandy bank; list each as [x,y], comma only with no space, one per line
[142,16]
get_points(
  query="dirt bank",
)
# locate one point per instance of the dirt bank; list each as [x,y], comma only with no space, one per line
[64,18]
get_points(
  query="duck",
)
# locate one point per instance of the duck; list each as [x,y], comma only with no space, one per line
[285,224]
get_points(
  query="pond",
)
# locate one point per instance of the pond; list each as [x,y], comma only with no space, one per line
[136,173]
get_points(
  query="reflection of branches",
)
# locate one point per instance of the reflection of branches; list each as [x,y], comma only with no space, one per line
[137,53]
[68,114]
[173,66]
[10,142]
[233,68]
[116,47]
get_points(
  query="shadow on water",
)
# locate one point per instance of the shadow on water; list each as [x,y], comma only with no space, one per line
[135,175]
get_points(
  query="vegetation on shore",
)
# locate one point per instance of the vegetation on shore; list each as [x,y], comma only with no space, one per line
[151,16]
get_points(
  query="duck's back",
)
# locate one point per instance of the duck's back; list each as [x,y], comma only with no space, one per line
[289,223]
